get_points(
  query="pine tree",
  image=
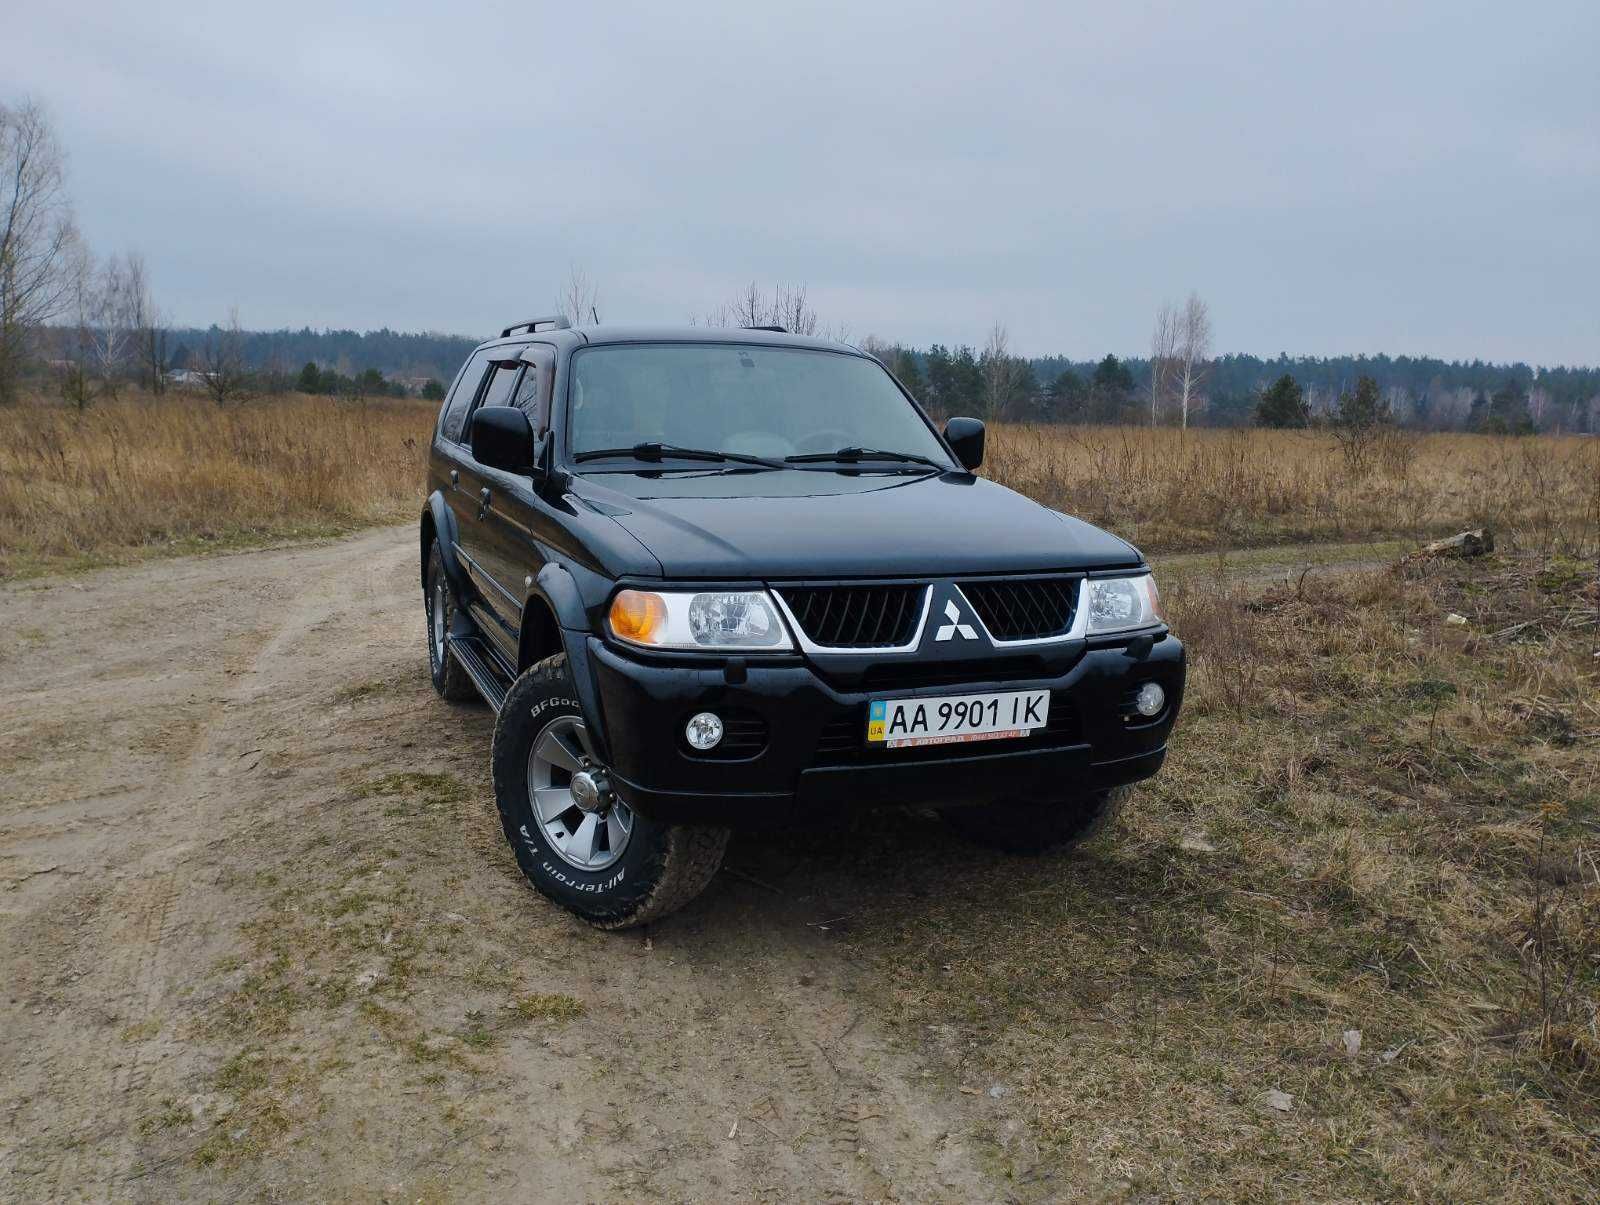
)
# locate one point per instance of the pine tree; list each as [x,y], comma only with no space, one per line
[1365,408]
[1283,404]
[1067,397]
[941,381]
[905,368]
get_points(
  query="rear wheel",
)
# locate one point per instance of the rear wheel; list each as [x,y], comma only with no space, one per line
[449,678]
[1034,826]
[575,836]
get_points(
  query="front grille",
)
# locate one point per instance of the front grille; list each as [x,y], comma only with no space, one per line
[1024,610]
[843,741]
[856,617]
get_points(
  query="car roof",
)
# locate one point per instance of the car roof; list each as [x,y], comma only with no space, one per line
[599,336]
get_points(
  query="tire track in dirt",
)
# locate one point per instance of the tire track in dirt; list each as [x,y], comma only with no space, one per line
[132,940]
[203,808]
[742,1011]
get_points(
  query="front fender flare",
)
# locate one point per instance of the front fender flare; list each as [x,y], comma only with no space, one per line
[557,587]
[444,530]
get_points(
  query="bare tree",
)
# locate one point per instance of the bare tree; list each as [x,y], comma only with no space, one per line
[1194,350]
[792,311]
[222,362]
[39,243]
[789,308]
[880,350]
[111,327]
[1163,348]
[149,326]
[77,367]
[580,297]
[749,308]
[1003,374]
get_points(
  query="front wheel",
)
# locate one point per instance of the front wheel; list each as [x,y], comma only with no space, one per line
[575,837]
[1035,826]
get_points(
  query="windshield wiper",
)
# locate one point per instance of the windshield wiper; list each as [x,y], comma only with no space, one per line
[856,455]
[660,451]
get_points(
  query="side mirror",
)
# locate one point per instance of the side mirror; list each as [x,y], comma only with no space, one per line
[965,437]
[502,438]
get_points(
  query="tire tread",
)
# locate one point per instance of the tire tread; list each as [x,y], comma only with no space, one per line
[691,856]
[452,682]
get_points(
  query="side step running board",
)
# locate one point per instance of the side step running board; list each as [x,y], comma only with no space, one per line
[483,667]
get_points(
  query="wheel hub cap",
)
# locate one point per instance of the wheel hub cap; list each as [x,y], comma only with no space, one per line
[588,792]
[569,793]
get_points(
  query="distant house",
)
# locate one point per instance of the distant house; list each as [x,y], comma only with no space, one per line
[186,378]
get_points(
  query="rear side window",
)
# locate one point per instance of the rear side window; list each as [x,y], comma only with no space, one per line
[501,385]
[455,410]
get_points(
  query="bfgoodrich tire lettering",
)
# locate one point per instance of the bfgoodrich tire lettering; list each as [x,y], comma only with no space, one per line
[661,868]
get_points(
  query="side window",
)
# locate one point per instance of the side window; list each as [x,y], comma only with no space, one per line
[501,385]
[528,391]
[455,410]
[533,393]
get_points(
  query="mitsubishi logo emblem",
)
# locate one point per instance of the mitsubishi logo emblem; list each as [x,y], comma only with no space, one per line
[948,631]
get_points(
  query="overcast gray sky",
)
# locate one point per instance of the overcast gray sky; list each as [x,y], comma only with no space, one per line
[1332,177]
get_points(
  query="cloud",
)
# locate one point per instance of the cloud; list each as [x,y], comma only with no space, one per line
[1333,177]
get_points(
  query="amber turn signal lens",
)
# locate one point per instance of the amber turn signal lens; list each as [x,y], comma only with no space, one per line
[1155,600]
[638,616]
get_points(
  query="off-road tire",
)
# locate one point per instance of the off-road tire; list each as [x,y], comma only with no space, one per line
[1036,826]
[663,867]
[447,674]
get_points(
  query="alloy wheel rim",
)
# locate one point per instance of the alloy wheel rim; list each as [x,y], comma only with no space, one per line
[436,615]
[592,838]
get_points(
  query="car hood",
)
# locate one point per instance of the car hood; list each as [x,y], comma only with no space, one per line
[801,524]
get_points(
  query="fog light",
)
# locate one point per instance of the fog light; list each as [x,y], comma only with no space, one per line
[703,731]
[1149,701]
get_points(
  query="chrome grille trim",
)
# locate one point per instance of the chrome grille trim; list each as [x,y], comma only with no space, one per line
[1078,630]
[809,646]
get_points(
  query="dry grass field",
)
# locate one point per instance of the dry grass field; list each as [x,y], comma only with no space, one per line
[1169,490]
[175,474]
[144,476]
[1345,947]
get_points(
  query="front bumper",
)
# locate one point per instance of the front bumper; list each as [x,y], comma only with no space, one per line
[805,727]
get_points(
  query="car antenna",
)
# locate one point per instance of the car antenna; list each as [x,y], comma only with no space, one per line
[594,313]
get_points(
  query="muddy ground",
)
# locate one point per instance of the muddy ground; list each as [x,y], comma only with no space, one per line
[260,938]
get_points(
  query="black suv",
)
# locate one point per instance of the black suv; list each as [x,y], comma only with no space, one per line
[714,578]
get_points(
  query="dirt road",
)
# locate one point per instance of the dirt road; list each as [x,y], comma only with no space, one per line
[259,937]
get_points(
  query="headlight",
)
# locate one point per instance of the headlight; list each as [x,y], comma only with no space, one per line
[1119,603]
[722,620]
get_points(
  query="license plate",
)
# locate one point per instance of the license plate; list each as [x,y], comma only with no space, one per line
[956,719]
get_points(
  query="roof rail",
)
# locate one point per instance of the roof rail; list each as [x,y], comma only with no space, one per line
[779,329]
[556,322]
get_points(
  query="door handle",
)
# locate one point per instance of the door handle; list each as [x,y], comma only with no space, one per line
[483,502]
[455,477]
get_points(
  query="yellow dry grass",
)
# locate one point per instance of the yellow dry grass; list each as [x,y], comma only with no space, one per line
[146,475]
[1169,490]
[178,473]
[1345,947]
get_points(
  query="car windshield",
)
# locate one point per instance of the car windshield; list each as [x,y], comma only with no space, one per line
[772,402]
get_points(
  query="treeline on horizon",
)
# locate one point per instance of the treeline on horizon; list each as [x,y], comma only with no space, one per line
[1423,392]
